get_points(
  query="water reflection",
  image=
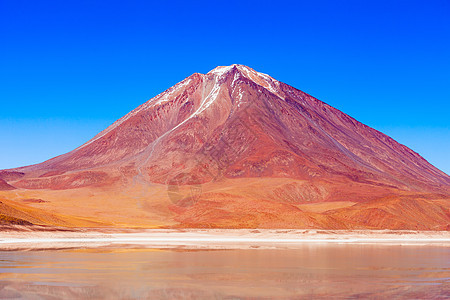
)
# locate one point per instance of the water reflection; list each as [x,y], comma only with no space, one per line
[312,271]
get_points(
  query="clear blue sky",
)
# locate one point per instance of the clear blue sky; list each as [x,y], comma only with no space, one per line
[68,69]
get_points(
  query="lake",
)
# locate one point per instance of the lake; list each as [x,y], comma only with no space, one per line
[309,271]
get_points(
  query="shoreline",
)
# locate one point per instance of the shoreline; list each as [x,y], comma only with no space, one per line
[211,238]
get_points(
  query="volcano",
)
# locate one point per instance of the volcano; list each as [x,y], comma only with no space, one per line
[233,148]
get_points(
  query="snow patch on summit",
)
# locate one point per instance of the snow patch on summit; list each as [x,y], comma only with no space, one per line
[220,70]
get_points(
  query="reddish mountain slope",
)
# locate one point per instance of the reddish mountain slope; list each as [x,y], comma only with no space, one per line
[237,148]
[5,186]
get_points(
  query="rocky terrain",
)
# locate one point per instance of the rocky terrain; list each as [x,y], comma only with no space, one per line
[233,148]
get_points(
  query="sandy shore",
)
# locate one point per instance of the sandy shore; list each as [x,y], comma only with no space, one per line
[23,238]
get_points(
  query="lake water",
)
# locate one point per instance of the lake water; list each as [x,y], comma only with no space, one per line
[310,271]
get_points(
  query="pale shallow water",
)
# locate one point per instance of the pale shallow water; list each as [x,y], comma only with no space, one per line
[309,271]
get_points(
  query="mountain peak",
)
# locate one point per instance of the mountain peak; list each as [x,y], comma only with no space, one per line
[262,79]
[224,69]
[220,70]
[245,70]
